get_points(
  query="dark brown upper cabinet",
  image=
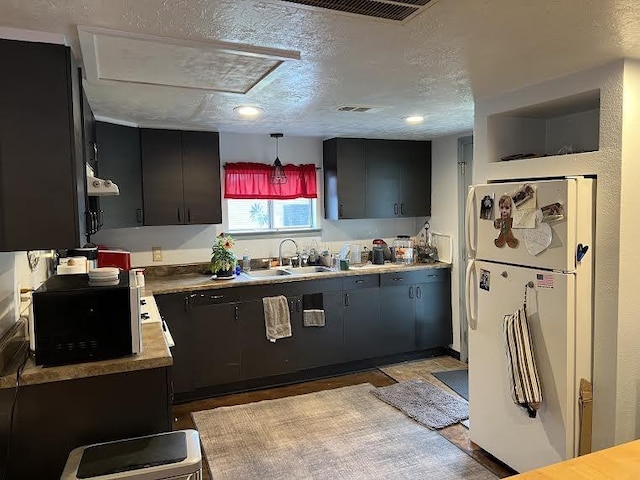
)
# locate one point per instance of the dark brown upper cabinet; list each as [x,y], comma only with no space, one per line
[180,177]
[119,160]
[344,171]
[367,178]
[42,172]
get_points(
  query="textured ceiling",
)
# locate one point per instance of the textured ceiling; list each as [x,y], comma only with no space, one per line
[435,64]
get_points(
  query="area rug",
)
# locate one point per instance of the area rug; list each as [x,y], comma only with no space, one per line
[456,380]
[345,433]
[425,403]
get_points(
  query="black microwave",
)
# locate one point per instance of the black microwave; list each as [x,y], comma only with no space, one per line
[77,321]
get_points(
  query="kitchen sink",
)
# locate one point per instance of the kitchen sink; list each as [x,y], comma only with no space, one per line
[267,273]
[305,270]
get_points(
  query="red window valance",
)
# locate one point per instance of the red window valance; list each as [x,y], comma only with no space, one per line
[251,180]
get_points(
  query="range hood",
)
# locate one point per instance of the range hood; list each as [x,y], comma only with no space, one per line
[97,187]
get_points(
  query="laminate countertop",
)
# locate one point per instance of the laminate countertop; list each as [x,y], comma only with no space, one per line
[155,354]
[195,281]
[620,462]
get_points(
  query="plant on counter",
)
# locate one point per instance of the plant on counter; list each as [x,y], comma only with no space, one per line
[223,260]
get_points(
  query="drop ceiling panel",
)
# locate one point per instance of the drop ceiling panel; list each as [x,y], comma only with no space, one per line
[120,57]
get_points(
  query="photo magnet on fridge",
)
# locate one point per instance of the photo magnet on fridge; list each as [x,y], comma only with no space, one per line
[486,207]
[523,195]
[504,224]
[552,213]
[485,279]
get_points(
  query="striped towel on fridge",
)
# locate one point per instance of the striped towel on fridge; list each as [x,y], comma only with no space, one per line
[523,375]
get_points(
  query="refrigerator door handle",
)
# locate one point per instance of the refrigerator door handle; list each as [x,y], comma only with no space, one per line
[472,321]
[470,225]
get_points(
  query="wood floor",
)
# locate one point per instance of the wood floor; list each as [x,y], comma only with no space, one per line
[456,434]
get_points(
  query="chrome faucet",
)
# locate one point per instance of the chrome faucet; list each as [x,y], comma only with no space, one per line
[280,249]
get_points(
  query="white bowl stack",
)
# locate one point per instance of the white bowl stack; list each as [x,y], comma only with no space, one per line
[104,276]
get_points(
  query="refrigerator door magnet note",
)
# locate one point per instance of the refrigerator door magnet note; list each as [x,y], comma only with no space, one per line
[485,279]
[538,239]
[504,224]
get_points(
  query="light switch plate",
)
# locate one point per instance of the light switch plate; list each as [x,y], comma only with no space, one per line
[157,254]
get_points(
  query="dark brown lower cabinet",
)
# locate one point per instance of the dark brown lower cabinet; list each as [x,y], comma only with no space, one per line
[220,335]
[320,346]
[433,314]
[362,323]
[174,308]
[216,344]
[51,419]
[398,319]
[261,357]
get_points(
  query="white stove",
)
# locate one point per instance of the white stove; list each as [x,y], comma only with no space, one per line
[150,314]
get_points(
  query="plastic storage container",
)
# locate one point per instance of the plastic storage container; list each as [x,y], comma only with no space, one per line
[172,455]
[403,249]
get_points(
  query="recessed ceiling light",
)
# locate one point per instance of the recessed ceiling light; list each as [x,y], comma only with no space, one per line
[247,111]
[414,119]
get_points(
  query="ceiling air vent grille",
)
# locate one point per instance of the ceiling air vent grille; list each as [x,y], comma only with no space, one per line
[354,108]
[398,10]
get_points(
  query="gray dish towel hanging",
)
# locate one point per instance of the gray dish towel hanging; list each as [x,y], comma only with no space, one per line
[523,374]
[313,310]
[277,320]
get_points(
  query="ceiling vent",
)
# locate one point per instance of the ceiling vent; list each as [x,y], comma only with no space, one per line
[358,108]
[396,10]
[355,108]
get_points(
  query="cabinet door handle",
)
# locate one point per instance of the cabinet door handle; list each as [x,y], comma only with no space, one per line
[418,292]
[139,215]
[432,276]
[410,292]
[346,299]
[178,215]
[402,208]
[395,208]
[236,312]
[188,215]
[397,279]
[101,219]
[298,305]
[216,297]
[359,281]
[186,303]
[340,210]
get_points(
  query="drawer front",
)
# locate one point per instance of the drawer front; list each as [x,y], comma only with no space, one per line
[213,297]
[360,281]
[415,276]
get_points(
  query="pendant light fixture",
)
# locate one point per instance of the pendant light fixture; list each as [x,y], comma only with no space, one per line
[277,175]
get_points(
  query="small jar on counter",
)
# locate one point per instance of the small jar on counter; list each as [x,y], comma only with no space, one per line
[403,249]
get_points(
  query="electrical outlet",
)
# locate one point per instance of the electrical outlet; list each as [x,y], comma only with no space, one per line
[157,254]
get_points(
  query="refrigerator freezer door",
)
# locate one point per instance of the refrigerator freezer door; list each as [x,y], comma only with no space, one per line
[497,424]
[561,253]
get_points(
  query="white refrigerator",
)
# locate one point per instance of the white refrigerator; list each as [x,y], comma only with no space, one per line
[543,243]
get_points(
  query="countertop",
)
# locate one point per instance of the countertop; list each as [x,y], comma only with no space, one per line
[155,354]
[619,462]
[194,282]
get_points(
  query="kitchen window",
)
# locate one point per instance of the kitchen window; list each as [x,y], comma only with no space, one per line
[256,204]
[257,215]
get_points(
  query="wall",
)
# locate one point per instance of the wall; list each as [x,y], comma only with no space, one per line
[192,244]
[445,209]
[8,294]
[612,310]
[628,357]
[14,275]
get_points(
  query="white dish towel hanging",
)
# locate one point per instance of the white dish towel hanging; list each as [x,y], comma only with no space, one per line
[523,374]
